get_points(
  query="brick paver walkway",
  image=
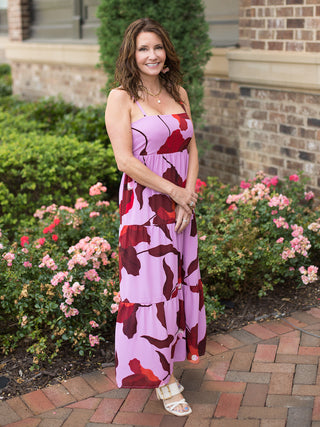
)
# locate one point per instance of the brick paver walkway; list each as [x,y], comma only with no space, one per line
[263,375]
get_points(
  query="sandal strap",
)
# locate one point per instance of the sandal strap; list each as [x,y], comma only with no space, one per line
[168,390]
[173,405]
[180,386]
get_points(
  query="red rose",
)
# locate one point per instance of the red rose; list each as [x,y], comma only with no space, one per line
[24,240]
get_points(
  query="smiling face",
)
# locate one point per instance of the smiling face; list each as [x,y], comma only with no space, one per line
[150,54]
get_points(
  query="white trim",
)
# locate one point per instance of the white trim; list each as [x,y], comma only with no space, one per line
[218,63]
[297,70]
[53,53]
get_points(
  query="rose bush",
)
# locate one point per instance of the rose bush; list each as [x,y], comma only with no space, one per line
[59,284]
[257,236]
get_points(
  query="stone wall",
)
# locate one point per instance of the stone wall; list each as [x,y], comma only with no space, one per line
[82,86]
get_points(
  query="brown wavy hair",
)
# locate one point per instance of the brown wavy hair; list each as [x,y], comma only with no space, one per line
[127,73]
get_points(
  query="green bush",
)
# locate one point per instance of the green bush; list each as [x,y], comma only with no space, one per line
[86,123]
[46,111]
[5,80]
[45,126]
[38,169]
[12,122]
[4,70]
[10,102]
[55,116]
[187,27]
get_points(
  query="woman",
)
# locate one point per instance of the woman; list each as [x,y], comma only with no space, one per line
[161,316]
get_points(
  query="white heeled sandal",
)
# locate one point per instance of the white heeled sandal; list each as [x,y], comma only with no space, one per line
[166,392]
[180,386]
[170,407]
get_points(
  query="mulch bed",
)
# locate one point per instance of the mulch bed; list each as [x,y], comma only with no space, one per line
[282,302]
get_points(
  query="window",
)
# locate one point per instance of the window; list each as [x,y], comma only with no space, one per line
[3,17]
[223,20]
[64,19]
[76,19]
[90,22]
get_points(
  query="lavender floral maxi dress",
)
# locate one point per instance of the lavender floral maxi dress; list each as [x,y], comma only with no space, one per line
[161,317]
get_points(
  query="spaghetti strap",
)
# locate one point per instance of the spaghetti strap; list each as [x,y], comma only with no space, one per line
[183,106]
[141,109]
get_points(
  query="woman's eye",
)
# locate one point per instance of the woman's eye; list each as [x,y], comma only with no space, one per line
[142,49]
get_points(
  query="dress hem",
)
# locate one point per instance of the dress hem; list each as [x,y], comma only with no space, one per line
[153,388]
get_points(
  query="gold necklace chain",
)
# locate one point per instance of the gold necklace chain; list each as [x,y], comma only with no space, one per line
[152,94]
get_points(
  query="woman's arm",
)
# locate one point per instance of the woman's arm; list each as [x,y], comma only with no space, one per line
[193,170]
[118,124]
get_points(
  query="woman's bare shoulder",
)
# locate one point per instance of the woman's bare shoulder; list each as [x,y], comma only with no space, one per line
[119,103]
[183,94]
[118,108]
[119,95]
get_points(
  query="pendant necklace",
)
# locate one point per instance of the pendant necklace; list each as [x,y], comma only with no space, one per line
[153,94]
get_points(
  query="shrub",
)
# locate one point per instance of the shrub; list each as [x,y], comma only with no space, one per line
[188,32]
[10,103]
[61,118]
[38,169]
[13,122]
[47,111]
[59,283]
[256,237]
[5,80]
[56,117]
[4,70]
[87,123]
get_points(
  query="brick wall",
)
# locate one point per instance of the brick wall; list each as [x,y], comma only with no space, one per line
[218,138]
[18,19]
[79,85]
[280,133]
[288,25]
[250,129]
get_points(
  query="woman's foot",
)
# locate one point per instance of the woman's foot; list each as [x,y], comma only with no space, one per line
[178,405]
[173,400]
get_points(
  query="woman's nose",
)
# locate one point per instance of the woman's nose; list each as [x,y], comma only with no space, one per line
[152,53]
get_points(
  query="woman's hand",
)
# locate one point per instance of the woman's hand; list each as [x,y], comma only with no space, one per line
[187,199]
[183,219]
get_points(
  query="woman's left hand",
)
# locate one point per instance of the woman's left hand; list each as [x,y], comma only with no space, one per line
[183,219]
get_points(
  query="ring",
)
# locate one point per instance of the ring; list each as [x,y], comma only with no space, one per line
[191,204]
[185,220]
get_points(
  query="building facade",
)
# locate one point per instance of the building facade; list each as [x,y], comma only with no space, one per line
[262,84]
[263,109]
